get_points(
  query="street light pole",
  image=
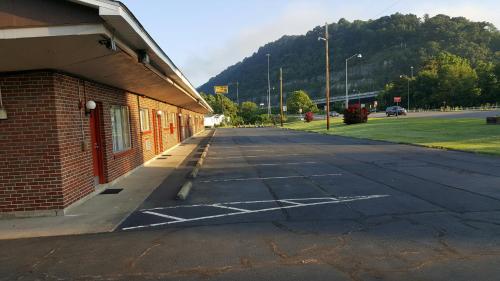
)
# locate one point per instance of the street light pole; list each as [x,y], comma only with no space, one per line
[408,89]
[281,96]
[237,92]
[346,83]
[411,68]
[268,88]
[327,57]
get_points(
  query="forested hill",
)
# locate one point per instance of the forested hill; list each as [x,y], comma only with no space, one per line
[389,45]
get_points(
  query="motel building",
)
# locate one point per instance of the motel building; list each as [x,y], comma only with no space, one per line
[86,97]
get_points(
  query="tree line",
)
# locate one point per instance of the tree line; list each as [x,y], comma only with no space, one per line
[390,46]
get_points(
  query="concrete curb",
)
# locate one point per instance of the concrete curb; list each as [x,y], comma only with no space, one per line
[184,191]
[186,187]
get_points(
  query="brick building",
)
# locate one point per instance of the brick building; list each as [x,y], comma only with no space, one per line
[86,96]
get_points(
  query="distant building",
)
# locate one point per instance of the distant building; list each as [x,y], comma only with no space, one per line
[88,97]
[212,121]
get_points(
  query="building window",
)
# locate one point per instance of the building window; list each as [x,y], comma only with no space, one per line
[144,116]
[164,121]
[121,128]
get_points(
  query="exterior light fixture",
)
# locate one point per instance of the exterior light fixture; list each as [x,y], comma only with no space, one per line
[159,112]
[89,106]
[109,43]
[143,57]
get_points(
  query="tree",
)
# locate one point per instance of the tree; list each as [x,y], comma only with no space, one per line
[300,100]
[249,111]
[390,45]
[230,108]
[488,82]
[447,80]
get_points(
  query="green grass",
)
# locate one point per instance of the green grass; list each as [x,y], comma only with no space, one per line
[460,134]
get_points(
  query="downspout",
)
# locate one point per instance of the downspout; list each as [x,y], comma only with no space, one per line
[84,143]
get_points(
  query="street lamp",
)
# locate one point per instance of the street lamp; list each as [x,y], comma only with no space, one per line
[237,83]
[327,76]
[408,89]
[268,88]
[346,85]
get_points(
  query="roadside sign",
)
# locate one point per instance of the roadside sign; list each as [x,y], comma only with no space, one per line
[221,89]
[397,99]
[284,108]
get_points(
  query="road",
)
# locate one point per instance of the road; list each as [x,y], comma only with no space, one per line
[274,204]
[452,114]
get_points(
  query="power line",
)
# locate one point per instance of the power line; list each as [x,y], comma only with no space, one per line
[388,8]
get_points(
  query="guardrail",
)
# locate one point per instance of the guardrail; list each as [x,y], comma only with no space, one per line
[458,109]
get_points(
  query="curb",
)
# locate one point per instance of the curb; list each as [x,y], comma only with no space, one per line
[186,187]
[184,191]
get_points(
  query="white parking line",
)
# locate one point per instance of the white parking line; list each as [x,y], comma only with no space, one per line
[290,202]
[247,202]
[164,216]
[330,200]
[256,156]
[270,178]
[230,208]
[280,164]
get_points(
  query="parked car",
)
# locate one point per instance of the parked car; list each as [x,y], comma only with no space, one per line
[395,110]
[334,114]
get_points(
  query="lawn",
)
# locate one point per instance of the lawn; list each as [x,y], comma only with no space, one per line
[460,134]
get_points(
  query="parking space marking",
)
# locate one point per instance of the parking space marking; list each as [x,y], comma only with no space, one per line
[164,216]
[322,201]
[270,178]
[230,208]
[256,156]
[291,163]
[290,202]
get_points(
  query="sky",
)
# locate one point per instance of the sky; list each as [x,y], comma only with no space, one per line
[204,37]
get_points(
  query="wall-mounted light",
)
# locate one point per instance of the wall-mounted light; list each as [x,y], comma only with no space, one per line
[109,43]
[143,57]
[159,112]
[89,106]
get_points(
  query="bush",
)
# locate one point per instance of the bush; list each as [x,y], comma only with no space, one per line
[355,115]
[237,121]
[265,119]
[309,117]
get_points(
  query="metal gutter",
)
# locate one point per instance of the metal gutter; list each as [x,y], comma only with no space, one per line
[116,8]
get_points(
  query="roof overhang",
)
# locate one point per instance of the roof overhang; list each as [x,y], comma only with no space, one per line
[79,49]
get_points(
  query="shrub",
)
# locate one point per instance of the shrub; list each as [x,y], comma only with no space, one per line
[265,119]
[355,115]
[309,117]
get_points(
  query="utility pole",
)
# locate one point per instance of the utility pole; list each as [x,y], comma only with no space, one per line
[346,84]
[237,94]
[409,87]
[327,79]
[268,88]
[281,96]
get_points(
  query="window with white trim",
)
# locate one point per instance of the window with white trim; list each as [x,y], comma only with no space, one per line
[164,121]
[144,117]
[120,124]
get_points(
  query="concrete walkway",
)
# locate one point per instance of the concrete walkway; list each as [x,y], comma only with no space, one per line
[103,213]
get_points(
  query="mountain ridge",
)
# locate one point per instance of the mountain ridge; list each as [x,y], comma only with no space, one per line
[390,46]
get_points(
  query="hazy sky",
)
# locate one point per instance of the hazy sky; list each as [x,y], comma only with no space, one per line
[204,37]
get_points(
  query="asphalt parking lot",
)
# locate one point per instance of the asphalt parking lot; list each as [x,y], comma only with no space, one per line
[272,204]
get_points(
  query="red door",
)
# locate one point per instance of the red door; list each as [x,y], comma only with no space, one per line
[95,145]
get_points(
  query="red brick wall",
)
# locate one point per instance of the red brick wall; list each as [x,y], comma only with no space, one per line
[42,164]
[30,165]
